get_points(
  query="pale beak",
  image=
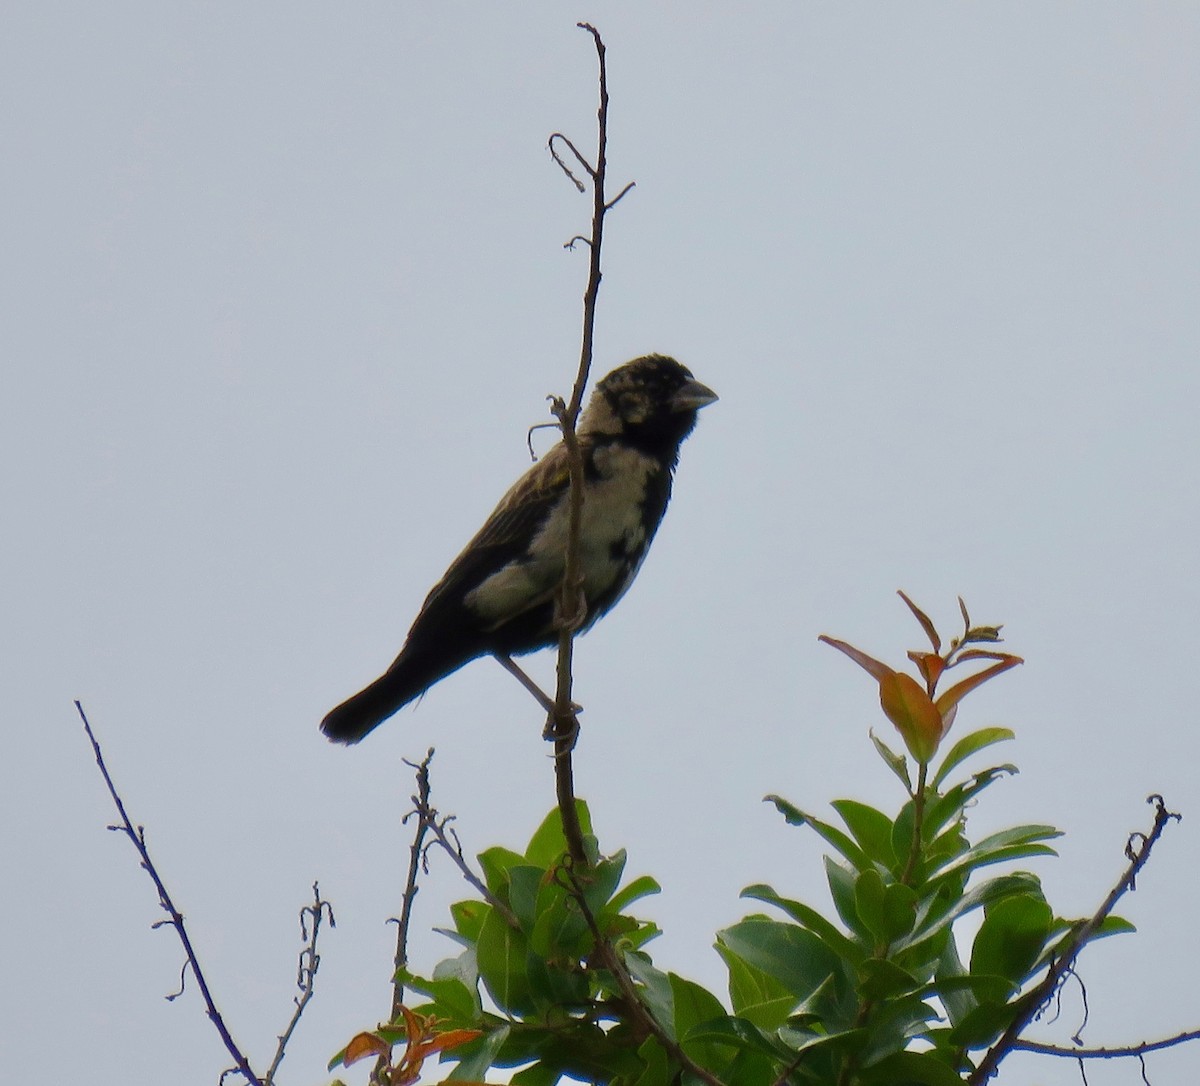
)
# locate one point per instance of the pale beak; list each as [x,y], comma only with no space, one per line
[692,396]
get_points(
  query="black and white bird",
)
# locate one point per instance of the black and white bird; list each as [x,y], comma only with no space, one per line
[498,596]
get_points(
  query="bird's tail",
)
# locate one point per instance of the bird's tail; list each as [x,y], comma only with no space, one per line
[406,680]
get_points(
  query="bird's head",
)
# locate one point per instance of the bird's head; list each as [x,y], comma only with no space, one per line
[650,402]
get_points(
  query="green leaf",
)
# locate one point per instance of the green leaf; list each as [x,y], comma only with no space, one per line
[524,884]
[951,806]
[936,915]
[899,911]
[758,997]
[654,988]
[832,834]
[468,918]
[958,998]
[642,886]
[897,763]
[479,1055]
[841,889]
[536,1074]
[560,929]
[1011,938]
[455,1002]
[795,957]
[496,863]
[871,828]
[807,916]
[911,1069]
[983,1025]
[548,843]
[1113,925]
[735,1032]
[600,882]
[695,1008]
[658,1069]
[968,745]
[503,966]
[868,902]
[881,979]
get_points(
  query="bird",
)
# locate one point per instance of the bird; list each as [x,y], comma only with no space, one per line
[498,597]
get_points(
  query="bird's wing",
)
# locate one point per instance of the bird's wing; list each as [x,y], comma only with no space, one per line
[506,535]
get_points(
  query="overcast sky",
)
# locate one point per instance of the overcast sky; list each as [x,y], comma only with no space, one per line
[284,287]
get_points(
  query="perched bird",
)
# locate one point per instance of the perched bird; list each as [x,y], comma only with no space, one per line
[498,596]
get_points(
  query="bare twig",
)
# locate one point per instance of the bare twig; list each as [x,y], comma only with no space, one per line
[1138,851]
[571,607]
[1115,1052]
[415,852]
[175,918]
[438,826]
[306,972]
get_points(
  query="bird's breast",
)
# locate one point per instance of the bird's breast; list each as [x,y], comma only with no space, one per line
[624,496]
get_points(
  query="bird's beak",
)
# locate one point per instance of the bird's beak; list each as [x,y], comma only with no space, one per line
[692,396]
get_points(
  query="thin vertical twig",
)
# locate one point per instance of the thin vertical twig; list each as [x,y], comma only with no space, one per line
[306,972]
[175,918]
[415,852]
[571,608]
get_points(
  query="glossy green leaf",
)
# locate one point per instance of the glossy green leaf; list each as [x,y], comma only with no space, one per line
[502,956]
[807,916]
[654,987]
[496,863]
[468,918]
[600,882]
[841,889]
[735,1032]
[935,917]
[1114,925]
[536,1074]
[475,1059]
[910,1069]
[642,886]
[758,997]
[958,998]
[524,884]
[950,806]
[868,903]
[1011,938]
[695,1009]
[548,843]
[882,979]
[897,763]
[657,1067]
[899,911]
[793,956]
[844,844]
[871,828]
[983,1025]
[968,745]
[455,1001]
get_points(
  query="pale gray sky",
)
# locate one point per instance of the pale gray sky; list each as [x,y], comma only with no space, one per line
[284,287]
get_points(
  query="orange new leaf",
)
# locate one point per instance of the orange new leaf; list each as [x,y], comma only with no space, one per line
[363,1045]
[925,622]
[913,712]
[958,691]
[868,663]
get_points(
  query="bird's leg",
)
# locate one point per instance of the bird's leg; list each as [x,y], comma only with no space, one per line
[541,697]
[510,665]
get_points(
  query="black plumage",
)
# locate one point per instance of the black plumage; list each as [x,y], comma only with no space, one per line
[498,595]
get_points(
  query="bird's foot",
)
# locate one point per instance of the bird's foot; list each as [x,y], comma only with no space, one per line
[563,729]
